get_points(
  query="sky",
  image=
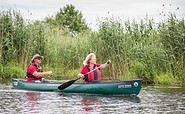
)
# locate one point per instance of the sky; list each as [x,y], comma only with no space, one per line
[98,9]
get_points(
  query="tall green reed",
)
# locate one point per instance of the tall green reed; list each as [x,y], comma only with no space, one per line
[133,48]
[172,33]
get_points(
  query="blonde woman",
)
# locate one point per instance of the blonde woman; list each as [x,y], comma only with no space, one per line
[91,70]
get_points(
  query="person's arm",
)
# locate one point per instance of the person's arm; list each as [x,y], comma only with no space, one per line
[41,74]
[105,65]
[82,72]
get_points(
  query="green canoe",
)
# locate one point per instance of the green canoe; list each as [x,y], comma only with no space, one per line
[131,87]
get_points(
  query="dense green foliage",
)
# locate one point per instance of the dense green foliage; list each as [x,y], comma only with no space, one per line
[153,52]
[173,39]
[69,18]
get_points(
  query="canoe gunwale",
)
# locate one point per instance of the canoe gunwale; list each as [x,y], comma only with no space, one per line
[60,82]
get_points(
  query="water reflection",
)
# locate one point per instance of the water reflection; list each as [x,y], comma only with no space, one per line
[32,101]
[107,103]
[90,104]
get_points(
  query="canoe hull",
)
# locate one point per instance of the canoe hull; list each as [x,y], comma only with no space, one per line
[131,87]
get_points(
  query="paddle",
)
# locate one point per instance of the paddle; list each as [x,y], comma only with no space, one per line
[67,84]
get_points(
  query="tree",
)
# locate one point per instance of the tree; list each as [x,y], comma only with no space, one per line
[72,19]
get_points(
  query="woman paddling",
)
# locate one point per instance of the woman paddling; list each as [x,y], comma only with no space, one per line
[91,65]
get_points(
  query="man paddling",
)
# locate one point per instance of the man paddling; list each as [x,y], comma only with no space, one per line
[34,71]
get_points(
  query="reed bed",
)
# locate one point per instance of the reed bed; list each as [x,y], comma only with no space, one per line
[148,50]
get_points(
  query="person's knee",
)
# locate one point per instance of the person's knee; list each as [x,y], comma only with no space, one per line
[36,81]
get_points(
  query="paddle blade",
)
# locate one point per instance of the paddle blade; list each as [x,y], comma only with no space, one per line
[65,85]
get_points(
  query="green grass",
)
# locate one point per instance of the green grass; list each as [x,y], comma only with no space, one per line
[165,79]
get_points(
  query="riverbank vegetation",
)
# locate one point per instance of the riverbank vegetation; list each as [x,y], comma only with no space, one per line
[148,50]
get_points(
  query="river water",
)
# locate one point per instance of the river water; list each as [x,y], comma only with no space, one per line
[151,99]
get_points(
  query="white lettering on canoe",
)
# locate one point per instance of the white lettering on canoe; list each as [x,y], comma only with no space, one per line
[124,86]
[51,85]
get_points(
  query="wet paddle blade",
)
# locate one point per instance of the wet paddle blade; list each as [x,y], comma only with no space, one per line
[65,85]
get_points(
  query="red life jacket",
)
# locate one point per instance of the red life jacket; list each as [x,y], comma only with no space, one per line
[93,77]
[30,76]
